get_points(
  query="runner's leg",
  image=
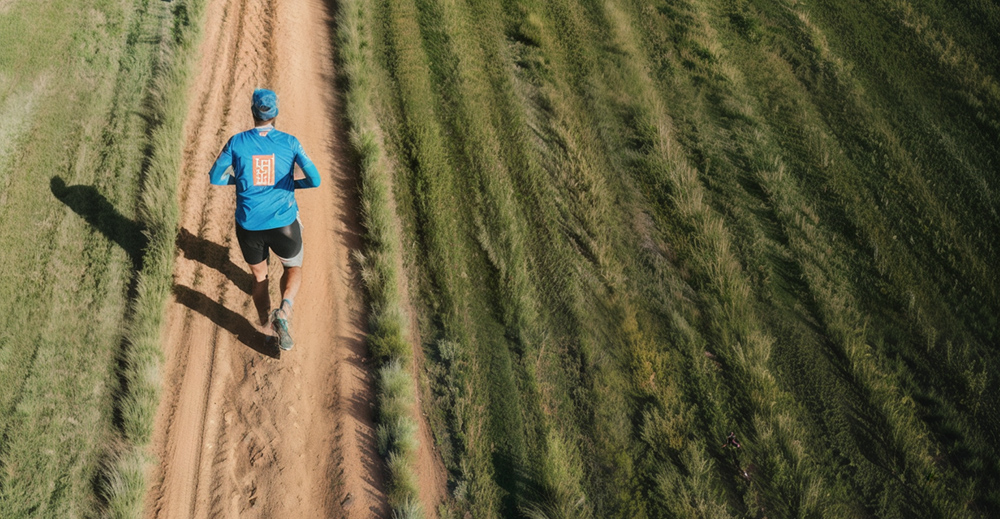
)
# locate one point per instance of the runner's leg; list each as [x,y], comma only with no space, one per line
[255,254]
[261,299]
[286,243]
[290,251]
[291,280]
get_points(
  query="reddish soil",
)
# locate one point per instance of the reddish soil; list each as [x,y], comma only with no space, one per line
[243,431]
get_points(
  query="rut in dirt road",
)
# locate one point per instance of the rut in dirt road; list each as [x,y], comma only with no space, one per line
[241,432]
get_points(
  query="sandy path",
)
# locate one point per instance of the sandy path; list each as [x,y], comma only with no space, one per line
[240,432]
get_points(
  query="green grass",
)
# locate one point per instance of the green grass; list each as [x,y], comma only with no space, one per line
[632,227]
[388,338]
[92,96]
[124,481]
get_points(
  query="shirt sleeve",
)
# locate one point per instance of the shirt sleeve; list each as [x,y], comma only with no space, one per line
[308,168]
[221,175]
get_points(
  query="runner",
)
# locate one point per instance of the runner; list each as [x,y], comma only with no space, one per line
[731,441]
[267,216]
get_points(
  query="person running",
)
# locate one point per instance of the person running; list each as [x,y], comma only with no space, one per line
[267,217]
[731,441]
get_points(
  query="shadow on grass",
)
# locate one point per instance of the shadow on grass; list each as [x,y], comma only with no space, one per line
[234,323]
[101,214]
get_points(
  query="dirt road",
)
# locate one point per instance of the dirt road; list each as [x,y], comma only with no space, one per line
[240,432]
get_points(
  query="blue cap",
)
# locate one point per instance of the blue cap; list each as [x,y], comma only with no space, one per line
[265,104]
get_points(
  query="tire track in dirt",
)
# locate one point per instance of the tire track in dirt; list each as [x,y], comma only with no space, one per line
[240,432]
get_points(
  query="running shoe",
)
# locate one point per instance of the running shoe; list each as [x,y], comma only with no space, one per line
[280,325]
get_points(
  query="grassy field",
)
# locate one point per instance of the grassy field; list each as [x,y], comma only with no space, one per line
[631,228]
[91,104]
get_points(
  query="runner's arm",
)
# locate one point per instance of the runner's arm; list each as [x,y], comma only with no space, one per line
[220,175]
[308,168]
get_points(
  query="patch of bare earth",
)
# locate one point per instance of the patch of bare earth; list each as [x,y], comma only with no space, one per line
[241,431]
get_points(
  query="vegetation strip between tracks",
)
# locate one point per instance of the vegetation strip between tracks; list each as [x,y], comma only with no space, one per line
[388,338]
[123,484]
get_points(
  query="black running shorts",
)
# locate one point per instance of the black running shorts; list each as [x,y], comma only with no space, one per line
[286,242]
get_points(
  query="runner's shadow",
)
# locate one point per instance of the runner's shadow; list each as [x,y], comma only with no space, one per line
[213,255]
[101,214]
[227,319]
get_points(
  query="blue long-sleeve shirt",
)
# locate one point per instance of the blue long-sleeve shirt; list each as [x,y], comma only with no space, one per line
[263,161]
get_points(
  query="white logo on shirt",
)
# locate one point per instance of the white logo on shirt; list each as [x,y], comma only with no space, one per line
[263,170]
